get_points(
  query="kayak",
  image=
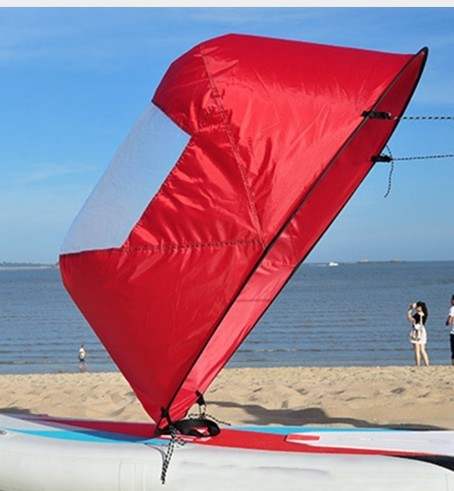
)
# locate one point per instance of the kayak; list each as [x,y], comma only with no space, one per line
[39,453]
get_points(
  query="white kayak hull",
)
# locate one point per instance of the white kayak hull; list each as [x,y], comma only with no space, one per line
[44,457]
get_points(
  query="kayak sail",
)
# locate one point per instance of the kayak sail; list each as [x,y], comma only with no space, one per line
[248,151]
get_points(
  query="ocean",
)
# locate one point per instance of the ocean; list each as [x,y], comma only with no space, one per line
[347,315]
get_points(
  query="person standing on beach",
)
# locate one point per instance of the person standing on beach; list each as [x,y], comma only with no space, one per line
[450,324]
[82,356]
[417,316]
[82,353]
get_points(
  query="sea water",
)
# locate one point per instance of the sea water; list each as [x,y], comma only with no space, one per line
[346,315]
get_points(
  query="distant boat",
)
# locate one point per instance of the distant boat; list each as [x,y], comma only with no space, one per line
[363,261]
[333,263]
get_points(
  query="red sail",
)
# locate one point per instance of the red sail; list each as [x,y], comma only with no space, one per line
[269,143]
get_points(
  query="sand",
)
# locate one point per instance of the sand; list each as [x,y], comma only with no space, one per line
[405,397]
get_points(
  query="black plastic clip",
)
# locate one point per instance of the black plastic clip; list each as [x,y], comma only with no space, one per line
[381,158]
[376,115]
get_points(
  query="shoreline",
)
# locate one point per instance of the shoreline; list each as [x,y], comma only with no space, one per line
[77,371]
[398,396]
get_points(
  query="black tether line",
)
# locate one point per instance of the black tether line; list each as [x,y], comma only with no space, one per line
[174,440]
[195,425]
[389,159]
[424,118]
[391,170]
[208,415]
[388,116]
[425,157]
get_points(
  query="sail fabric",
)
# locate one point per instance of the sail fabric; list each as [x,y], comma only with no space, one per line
[277,144]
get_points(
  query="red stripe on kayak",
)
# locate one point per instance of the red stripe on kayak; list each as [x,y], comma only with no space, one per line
[230,438]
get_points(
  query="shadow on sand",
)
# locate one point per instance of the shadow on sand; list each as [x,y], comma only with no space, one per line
[260,415]
[17,411]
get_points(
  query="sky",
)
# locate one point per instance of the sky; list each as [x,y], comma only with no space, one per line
[73,81]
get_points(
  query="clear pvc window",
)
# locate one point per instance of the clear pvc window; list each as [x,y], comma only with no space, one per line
[134,176]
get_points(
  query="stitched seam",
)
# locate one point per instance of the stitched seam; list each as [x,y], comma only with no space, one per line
[173,247]
[217,98]
[193,245]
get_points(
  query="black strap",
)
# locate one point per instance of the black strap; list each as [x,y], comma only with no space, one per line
[390,158]
[376,115]
[198,427]
[389,116]
[381,158]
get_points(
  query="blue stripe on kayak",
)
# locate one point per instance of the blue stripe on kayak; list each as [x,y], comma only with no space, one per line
[106,437]
[89,436]
[286,430]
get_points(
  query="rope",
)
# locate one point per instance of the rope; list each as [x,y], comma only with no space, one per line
[218,420]
[384,115]
[388,116]
[425,118]
[174,440]
[425,157]
[184,427]
[388,158]
[208,415]
[391,170]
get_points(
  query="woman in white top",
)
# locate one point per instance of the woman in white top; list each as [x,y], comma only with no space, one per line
[417,316]
[450,324]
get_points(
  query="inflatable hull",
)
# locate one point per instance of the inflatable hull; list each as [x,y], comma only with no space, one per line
[42,454]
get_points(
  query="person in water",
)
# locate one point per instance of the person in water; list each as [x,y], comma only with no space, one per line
[450,324]
[417,315]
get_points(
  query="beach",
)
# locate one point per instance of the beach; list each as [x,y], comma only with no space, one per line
[401,397]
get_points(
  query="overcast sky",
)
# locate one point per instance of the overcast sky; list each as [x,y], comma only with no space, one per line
[74,80]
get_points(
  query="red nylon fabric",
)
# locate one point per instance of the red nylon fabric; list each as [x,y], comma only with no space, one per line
[278,146]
